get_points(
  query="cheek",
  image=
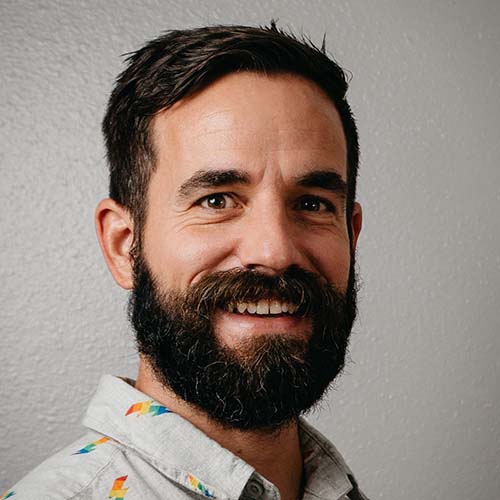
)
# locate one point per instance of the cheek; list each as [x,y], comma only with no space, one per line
[332,260]
[181,259]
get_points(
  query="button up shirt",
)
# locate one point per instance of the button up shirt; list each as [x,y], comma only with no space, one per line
[137,449]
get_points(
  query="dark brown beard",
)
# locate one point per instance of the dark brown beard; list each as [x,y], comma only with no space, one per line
[264,382]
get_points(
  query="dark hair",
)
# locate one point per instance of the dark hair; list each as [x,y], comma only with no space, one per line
[181,62]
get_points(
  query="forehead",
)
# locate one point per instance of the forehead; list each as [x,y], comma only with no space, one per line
[252,122]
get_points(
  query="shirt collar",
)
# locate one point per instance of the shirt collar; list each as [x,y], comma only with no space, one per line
[179,450]
[325,470]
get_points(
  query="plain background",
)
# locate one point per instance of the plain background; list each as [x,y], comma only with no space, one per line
[417,413]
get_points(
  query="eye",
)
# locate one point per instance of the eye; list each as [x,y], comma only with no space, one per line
[315,204]
[217,201]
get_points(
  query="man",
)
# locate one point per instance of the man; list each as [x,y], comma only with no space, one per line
[232,218]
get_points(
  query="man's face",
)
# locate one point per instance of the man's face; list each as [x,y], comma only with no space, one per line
[251,176]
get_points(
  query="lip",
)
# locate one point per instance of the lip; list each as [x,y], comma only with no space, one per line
[233,327]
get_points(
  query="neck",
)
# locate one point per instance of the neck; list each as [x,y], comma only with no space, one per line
[276,456]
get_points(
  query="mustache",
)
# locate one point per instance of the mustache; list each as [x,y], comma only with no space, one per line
[308,291]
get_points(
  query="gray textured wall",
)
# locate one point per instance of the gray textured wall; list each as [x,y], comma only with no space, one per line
[417,413]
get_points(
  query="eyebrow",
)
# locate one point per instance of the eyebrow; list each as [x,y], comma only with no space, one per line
[203,179]
[324,179]
[211,178]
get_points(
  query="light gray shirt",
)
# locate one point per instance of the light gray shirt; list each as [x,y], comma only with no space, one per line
[138,450]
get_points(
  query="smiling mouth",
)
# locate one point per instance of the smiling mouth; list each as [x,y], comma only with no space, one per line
[269,308]
[239,320]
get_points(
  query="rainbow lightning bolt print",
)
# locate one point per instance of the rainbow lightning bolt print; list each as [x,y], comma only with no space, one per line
[7,494]
[147,407]
[199,486]
[92,446]
[118,492]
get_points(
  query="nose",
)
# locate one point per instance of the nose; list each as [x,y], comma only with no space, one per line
[269,242]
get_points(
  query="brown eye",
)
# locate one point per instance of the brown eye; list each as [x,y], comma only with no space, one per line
[314,204]
[217,201]
[311,205]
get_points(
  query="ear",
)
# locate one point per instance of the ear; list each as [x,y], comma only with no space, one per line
[356,223]
[115,232]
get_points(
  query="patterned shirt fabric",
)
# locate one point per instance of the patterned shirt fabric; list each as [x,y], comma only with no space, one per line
[137,449]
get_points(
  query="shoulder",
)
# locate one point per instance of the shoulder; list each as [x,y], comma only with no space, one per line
[70,473]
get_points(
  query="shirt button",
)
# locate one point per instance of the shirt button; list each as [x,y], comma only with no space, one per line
[255,489]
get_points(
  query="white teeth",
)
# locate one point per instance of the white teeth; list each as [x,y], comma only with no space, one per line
[264,307]
[275,307]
